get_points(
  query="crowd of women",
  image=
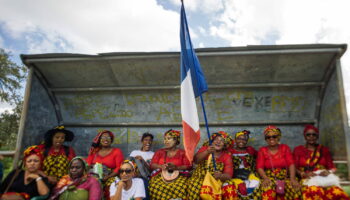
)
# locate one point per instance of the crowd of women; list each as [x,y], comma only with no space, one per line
[224,167]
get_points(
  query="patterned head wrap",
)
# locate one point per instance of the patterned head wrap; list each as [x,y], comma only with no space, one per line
[310,127]
[227,139]
[82,160]
[175,134]
[244,132]
[131,162]
[33,150]
[95,146]
[273,129]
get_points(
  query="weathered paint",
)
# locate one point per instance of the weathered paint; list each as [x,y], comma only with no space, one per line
[247,104]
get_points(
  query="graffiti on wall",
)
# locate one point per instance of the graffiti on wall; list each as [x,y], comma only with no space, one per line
[165,107]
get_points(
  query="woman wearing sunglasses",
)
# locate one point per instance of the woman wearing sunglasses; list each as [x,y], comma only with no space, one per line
[276,168]
[127,187]
[315,166]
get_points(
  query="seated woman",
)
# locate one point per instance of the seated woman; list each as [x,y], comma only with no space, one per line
[143,159]
[274,162]
[144,155]
[127,187]
[77,184]
[314,160]
[224,166]
[56,155]
[244,171]
[27,183]
[167,163]
[109,158]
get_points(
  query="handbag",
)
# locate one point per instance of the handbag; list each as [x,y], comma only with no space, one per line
[280,184]
[211,188]
[241,174]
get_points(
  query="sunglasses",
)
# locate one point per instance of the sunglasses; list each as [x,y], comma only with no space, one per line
[270,137]
[127,171]
[311,134]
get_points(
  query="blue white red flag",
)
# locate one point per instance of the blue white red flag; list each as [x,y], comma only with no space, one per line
[193,84]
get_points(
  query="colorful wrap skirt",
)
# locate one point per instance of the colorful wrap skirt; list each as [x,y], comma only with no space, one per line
[246,189]
[322,193]
[196,180]
[161,190]
[269,193]
[56,165]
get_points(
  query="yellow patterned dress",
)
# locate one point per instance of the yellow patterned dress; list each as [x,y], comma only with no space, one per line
[176,189]
[223,164]
[55,163]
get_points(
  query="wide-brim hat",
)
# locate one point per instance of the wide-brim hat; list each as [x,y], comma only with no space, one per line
[69,135]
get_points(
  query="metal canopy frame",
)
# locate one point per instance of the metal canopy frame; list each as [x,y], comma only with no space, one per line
[40,66]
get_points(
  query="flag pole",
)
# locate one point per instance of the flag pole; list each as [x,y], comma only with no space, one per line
[207,126]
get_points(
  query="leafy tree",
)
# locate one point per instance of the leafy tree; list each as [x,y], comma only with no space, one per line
[11,76]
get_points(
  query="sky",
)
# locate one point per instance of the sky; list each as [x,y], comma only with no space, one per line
[95,26]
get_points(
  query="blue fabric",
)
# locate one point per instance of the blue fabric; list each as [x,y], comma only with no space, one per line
[1,172]
[189,60]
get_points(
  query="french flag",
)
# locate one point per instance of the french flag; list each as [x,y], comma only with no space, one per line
[193,84]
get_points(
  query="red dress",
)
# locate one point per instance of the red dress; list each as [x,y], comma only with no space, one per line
[301,154]
[113,160]
[176,189]
[276,168]
[321,160]
[224,158]
[282,159]
[178,159]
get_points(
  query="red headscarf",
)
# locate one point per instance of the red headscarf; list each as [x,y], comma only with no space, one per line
[310,127]
[96,141]
[33,150]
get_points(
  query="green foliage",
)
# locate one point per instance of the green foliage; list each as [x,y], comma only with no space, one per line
[11,76]
[9,124]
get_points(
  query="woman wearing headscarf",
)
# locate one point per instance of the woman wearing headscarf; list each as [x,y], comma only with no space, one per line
[314,161]
[56,154]
[127,187]
[78,184]
[276,168]
[166,164]
[221,141]
[26,183]
[245,175]
[105,159]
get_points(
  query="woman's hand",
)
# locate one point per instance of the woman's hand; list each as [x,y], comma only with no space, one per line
[211,149]
[308,175]
[121,185]
[32,176]
[266,182]
[324,173]
[171,167]
[295,184]
[218,175]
